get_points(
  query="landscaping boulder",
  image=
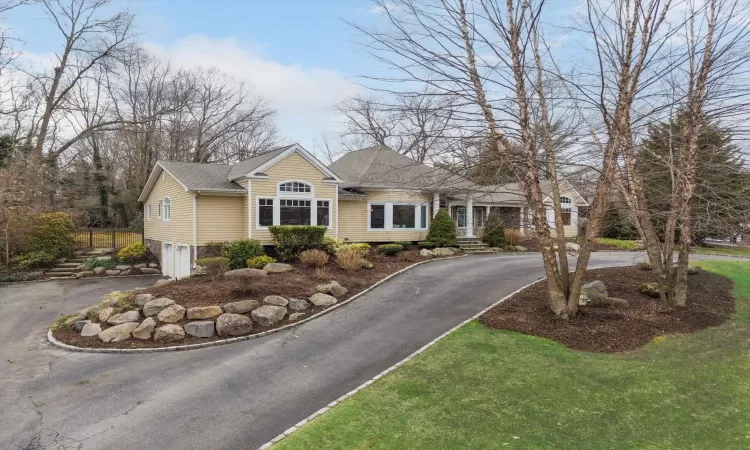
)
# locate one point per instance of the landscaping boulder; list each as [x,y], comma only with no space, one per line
[126,272]
[229,324]
[140,266]
[692,270]
[155,306]
[425,253]
[129,316]
[118,333]
[204,312]
[240,307]
[80,324]
[268,315]
[596,286]
[298,304]
[245,273]
[275,300]
[84,274]
[201,328]
[520,248]
[572,246]
[70,321]
[105,313]
[113,298]
[594,298]
[169,333]
[145,329]
[171,314]
[99,270]
[150,271]
[91,329]
[111,273]
[650,289]
[277,268]
[123,267]
[82,267]
[142,299]
[323,300]
[296,316]
[162,282]
[92,312]
[153,265]
[104,258]
[365,264]
[442,252]
[337,290]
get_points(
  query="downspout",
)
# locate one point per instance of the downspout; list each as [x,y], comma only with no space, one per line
[337,211]
[195,228]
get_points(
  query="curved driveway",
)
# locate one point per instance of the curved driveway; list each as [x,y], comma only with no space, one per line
[234,396]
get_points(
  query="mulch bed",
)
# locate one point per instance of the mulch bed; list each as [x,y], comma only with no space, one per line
[299,283]
[609,330]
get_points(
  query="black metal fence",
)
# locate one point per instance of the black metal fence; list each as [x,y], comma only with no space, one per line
[106,238]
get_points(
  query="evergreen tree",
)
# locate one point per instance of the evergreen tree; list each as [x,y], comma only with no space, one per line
[442,230]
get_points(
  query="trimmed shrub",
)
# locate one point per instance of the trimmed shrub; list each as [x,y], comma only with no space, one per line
[405,244]
[513,236]
[330,244]
[390,249]
[363,247]
[426,244]
[259,262]
[51,233]
[494,232]
[133,253]
[350,258]
[33,260]
[238,252]
[314,258]
[214,266]
[442,230]
[291,240]
[94,262]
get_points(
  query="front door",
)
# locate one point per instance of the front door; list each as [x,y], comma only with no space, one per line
[480,217]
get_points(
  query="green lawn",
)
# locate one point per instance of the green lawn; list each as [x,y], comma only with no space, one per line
[482,388]
[722,251]
[620,244]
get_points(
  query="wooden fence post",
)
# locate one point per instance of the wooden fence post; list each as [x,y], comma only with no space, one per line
[91,238]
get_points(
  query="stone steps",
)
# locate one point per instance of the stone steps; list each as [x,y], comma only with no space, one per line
[61,274]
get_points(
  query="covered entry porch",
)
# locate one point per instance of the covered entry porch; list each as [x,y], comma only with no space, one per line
[470,218]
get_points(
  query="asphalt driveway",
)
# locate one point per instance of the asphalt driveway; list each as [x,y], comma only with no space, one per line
[234,396]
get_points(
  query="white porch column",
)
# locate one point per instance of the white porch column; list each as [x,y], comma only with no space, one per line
[520,224]
[435,203]
[470,218]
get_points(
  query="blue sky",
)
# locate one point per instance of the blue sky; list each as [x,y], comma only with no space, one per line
[299,55]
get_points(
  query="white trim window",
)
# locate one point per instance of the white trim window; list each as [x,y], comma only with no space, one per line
[323,212]
[294,187]
[295,212]
[167,209]
[265,212]
[148,212]
[398,216]
[458,212]
[566,210]
[158,209]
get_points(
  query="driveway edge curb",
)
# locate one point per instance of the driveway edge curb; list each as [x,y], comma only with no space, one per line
[328,407]
[178,348]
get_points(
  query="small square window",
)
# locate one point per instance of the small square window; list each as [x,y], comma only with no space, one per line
[377,216]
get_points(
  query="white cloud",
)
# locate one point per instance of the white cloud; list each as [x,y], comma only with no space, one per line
[303,97]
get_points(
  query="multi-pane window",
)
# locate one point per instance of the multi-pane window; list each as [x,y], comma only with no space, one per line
[148,212]
[377,216]
[404,216]
[294,212]
[324,213]
[158,209]
[167,209]
[294,187]
[265,212]
[423,216]
[459,215]
[566,210]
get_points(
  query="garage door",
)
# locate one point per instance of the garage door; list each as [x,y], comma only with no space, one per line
[168,263]
[182,262]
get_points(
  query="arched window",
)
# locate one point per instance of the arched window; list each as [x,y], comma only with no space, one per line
[167,209]
[294,187]
[566,210]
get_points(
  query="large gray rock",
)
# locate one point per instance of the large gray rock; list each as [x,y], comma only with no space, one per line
[155,306]
[520,248]
[245,273]
[99,270]
[596,286]
[204,312]
[80,324]
[92,312]
[126,272]
[91,329]
[650,289]
[145,329]
[105,313]
[425,253]
[129,316]
[171,314]
[365,264]
[277,268]
[337,290]
[240,307]
[320,299]
[268,315]
[123,267]
[442,252]
[572,246]
[113,299]
[150,271]
[142,299]
[162,282]
[111,273]
[140,266]
[118,333]
[169,333]
[298,304]
[84,274]
[275,300]
[202,328]
[296,316]
[229,324]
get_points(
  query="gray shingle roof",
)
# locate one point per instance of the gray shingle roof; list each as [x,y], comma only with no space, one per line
[381,167]
[244,167]
[198,176]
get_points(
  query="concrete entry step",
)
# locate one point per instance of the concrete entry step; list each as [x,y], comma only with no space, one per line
[63,277]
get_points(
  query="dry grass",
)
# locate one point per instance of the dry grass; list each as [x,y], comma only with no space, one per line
[513,236]
[314,258]
[350,258]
